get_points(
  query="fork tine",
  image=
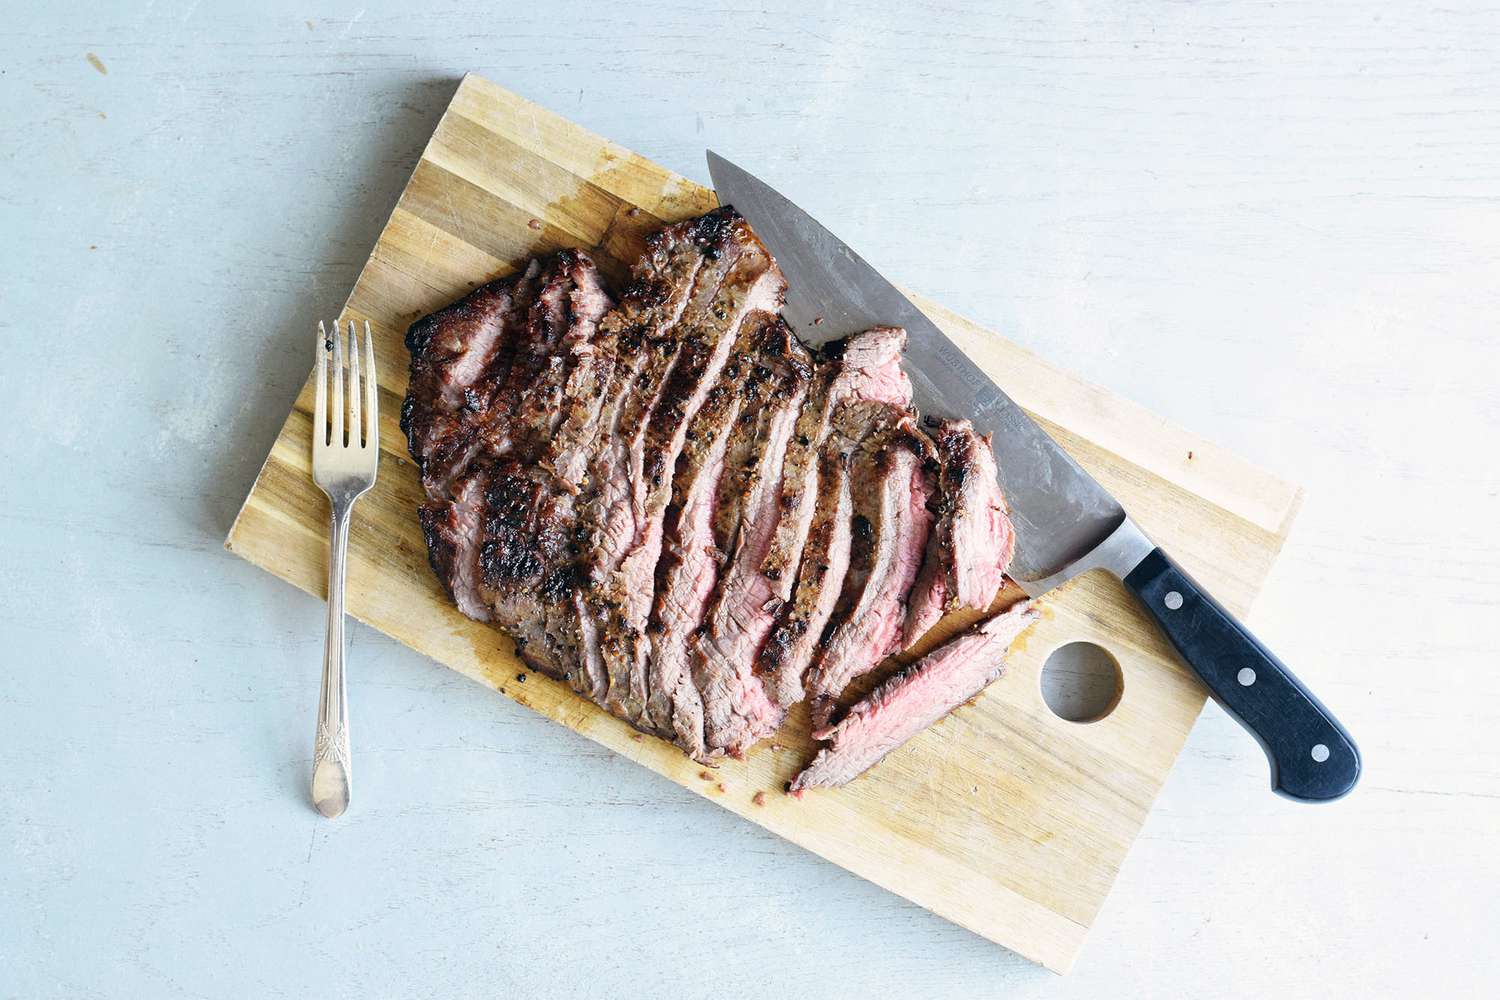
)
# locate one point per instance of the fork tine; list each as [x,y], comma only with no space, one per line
[356,426]
[320,408]
[336,437]
[372,392]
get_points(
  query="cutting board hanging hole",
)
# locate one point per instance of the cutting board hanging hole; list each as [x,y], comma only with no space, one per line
[1081,682]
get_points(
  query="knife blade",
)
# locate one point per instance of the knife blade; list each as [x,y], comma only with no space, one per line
[1065,522]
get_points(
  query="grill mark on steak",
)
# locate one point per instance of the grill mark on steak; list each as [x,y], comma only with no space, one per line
[914,699]
[737,710]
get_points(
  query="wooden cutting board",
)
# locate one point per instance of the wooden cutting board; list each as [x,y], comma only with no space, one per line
[1003,818]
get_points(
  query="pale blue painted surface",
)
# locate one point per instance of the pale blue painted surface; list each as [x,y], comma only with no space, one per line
[1277,224]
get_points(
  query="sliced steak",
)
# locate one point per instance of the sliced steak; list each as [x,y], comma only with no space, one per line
[914,699]
[820,578]
[799,482]
[687,574]
[501,545]
[976,528]
[563,317]
[929,594]
[526,561]
[866,366]
[680,361]
[737,710]
[526,556]
[973,541]
[604,410]
[857,393]
[580,407]
[672,505]
[684,267]
[454,530]
[870,365]
[692,556]
[891,525]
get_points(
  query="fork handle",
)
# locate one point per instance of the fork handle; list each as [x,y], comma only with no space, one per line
[331,777]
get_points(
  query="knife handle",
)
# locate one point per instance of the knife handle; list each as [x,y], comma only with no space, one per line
[1312,757]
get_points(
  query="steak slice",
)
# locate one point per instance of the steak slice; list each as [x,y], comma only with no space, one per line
[975,530]
[682,361]
[914,699]
[604,408]
[737,710]
[579,409]
[799,478]
[973,541]
[526,562]
[870,365]
[453,530]
[891,525]
[929,594]
[460,355]
[638,337]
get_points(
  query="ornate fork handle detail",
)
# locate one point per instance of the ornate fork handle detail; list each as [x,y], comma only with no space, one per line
[327,748]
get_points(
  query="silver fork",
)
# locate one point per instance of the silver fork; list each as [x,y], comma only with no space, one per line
[344,470]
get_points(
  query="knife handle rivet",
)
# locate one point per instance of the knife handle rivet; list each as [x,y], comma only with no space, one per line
[1319,753]
[1246,677]
[1173,600]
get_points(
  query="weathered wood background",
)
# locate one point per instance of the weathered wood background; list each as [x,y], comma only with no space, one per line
[1276,225]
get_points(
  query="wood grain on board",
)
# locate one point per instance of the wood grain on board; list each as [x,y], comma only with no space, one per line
[1002,818]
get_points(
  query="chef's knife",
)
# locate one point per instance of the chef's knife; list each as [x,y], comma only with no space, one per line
[1066,523]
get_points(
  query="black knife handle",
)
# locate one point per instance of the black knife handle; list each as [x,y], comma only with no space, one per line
[1312,757]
